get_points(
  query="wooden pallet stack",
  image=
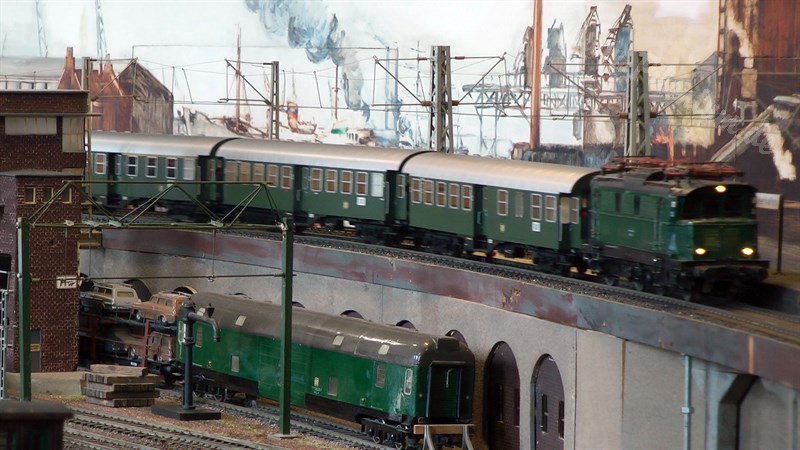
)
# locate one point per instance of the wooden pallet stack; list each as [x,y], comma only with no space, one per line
[118,386]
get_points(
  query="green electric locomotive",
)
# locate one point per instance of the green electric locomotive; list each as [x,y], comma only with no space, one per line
[386,378]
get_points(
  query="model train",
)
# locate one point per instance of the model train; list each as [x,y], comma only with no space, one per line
[387,378]
[675,229]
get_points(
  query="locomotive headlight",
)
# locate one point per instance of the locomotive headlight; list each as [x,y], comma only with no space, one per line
[747,251]
[720,189]
[699,251]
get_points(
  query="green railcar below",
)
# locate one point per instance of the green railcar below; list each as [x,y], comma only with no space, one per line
[387,378]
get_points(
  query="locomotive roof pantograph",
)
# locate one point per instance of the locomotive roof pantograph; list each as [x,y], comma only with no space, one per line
[153,144]
[343,334]
[316,155]
[500,173]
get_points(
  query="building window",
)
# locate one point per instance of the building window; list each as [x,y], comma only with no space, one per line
[66,196]
[361,183]
[346,186]
[502,202]
[244,171]
[188,169]
[330,181]
[272,175]
[100,163]
[72,134]
[17,126]
[258,173]
[47,194]
[550,208]
[637,203]
[536,206]
[133,166]
[441,194]
[286,177]
[172,168]
[466,198]
[316,180]
[401,186]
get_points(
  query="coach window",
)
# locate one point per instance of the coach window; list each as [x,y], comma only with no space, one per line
[519,208]
[502,202]
[316,180]
[152,167]
[272,175]
[231,169]
[454,196]
[574,210]
[416,190]
[172,168]
[258,173]
[376,186]
[550,208]
[466,198]
[346,186]
[286,177]
[536,206]
[132,166]
[100,163]
[565,208]
[188,169]
[330,181]
[361,183]
[401,186]
[244,171]
[428,192]
[441,194]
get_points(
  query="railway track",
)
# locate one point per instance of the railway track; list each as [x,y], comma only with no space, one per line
[90,429]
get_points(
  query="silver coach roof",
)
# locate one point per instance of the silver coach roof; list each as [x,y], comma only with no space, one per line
[502,173]
[311,154]
[153,144]
[318,330]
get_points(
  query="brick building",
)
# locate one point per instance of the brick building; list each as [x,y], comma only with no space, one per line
[41,147]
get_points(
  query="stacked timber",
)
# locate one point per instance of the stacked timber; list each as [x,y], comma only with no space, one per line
[118,386]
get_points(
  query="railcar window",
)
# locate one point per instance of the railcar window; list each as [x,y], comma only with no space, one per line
[234,363]
[330,181]
[333,386]
[380,376]
[100,163]
[441,194]
[230,171]
[361,183]
[550,208]
[172,168]
[466,198]
[536,206]
[316,180]
[286,177]
[272,175]
[454,196]
[258,173]
[30,195]
[519,209]
[244,171]
[346,186]
[152,167]
[133,166]
[502,202]
[428,192]
[376,189]
[306,176]
[416,194]
[401,186]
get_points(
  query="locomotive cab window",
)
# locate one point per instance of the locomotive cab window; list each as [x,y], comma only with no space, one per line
[708,203]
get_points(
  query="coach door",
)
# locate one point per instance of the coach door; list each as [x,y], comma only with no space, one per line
[211,169]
